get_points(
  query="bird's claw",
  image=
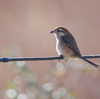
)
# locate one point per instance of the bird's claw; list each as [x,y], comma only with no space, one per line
[61,57]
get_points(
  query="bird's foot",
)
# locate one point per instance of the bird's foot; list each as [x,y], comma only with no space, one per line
[61,56]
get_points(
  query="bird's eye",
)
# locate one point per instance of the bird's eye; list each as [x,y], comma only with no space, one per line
[59,30]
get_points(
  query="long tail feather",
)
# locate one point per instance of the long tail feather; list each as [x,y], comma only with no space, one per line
[95,65]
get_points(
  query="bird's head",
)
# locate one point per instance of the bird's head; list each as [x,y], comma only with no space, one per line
[60,31]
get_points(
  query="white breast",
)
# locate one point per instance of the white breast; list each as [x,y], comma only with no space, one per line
[58,47]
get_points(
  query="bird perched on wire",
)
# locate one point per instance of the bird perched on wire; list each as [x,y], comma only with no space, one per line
[66,45]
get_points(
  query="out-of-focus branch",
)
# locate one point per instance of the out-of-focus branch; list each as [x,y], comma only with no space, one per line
[42,58]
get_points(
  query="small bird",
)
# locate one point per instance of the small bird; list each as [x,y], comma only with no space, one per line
[66,45]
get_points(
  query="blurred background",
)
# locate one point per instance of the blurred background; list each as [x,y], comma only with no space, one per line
[24,32]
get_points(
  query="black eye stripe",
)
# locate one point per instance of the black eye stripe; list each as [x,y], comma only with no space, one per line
[59,30]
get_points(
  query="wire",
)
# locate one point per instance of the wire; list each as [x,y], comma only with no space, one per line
[41,58]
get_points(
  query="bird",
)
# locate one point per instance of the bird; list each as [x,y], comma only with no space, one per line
[66,45]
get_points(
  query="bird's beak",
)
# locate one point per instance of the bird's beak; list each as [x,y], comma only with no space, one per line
[52,32]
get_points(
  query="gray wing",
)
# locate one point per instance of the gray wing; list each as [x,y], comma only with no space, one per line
[71,43]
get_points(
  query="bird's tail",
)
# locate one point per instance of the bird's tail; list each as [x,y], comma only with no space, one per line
[95,65]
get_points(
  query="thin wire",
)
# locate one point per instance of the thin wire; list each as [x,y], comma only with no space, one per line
[42,58]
